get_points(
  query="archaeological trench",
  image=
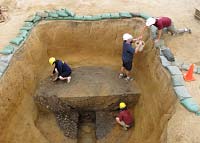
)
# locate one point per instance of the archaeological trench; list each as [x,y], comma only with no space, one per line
[37,110]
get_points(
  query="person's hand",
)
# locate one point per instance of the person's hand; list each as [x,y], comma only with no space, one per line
[156,40]
[140,37]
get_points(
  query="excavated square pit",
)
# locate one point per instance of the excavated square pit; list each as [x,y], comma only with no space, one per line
[93,50]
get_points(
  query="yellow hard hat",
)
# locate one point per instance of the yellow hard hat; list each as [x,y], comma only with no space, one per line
[52,60]
[122,105]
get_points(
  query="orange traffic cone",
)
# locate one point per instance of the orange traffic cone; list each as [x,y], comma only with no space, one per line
[189,75]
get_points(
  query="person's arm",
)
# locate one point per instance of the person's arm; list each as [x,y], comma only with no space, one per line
[120,117]
[131,49]
[142,32]
[59,68]
[159,34]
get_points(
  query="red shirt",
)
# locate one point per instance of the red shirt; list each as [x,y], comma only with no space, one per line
[125,116]
[162,22]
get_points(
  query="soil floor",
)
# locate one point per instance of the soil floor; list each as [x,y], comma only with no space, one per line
[183,126]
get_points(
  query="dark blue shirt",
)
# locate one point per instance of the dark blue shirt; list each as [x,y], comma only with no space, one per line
[128,52]
[61,67]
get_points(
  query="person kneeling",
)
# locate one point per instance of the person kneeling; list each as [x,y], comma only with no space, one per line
[61,70]
[124,118]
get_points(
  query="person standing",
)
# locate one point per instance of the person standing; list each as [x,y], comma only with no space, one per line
[127,57]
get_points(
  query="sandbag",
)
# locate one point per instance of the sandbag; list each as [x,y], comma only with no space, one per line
[26,28]
[135,14]
[42,14]
[198,69]
[190,104]
[174,70]
[28,24]
[23,33]
[164,61]
[52,14]
[3,67]
[17,41]
[70,13]
[51,18]
[114,16]
[97,17]
[125,14]
[177,80]
[105,16]
[30,18]
[34,19]
[7,50]
[185,66]
[37,19]
[62,13]
[168,54]
[68,18]
[89,18]
[6,58]
[182,92]
[78,17]
[145,16]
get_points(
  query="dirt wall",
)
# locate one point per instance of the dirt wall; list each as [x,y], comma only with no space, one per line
[83,43]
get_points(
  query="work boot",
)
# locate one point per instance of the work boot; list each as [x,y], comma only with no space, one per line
[128,78]
[121,75]
[188,30]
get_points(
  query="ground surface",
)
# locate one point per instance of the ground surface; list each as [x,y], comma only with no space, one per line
[91,88]
[184,126]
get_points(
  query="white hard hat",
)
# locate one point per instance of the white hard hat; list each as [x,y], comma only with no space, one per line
[150,21]
[127,36]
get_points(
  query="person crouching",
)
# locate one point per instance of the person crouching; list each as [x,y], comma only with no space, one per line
[124,118]
[61,70]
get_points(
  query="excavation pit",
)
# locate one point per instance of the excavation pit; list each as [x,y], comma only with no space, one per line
[84,45]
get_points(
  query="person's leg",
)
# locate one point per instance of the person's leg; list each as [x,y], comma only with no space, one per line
[121,123]
[65,76]
[122,71]
[128,67]
[173,30]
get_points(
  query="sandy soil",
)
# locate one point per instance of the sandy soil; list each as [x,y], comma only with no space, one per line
[183,127]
